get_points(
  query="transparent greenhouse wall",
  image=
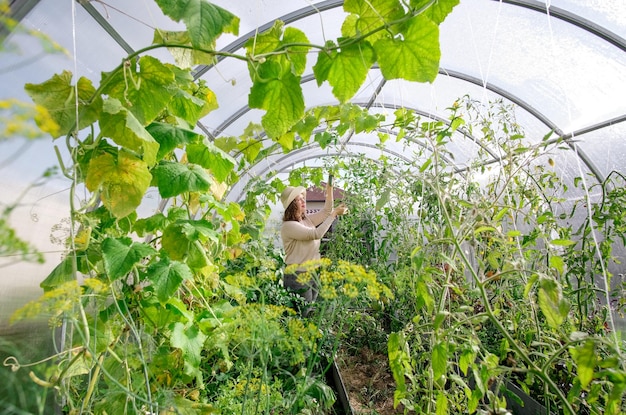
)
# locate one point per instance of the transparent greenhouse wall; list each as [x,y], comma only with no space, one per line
[41,214]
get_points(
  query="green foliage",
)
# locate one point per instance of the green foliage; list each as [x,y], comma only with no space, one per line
[12,244]
[193,319]
[205,21]
[477,274]
[57,90]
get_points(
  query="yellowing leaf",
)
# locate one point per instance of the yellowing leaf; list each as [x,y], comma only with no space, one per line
[63,102]
[122,126]
[122,179]
[184,57]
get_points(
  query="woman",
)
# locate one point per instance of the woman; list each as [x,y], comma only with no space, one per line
[302,234]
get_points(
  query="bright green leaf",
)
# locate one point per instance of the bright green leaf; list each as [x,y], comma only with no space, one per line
[456,123]
[345,70]
[552,303]
[174,178]
[250,148]
[482,229]
[171,137]
[190,107]
[369,15]
[121,125]
[121,255]
[399,363]
[563,242]
[442,404]
[415,56]
[501,214]
[209,156]
[205,21]
[467,358]
[166,277]
[291,59]
[585,358]
[145,88]
[558,264]
[439,319]
[438,10]
[191,341]
[58,96]
[286,141]
[426,164]
[123,181]
[282,99]
[529,285]
[423,297]
[439,360]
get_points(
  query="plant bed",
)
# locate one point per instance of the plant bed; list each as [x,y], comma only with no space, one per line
[368,382]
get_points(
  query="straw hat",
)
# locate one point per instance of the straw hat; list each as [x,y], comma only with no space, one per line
[290,193]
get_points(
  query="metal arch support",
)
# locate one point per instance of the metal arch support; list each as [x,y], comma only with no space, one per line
[523,104]
[294,155]
[556,12]
[97,16]
[437,118]
[299,160]
[503,93]
[571,18]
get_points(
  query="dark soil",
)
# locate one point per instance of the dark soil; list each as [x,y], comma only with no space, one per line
[368,381]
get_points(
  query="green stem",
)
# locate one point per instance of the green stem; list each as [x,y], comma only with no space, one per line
[485,298]
[92,383]
[512,342]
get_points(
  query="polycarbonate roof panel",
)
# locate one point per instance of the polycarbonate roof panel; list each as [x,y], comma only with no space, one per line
[609,14]
[567,73]
[564,74]
[607,147]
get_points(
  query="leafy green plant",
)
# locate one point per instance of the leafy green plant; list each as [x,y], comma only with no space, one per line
[493,304]
[490,286]
[156,317]
[181,311]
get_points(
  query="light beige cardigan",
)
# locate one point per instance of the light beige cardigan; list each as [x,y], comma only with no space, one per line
[301,240]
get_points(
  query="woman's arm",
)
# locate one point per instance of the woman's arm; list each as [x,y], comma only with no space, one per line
[319,217]
[300,232]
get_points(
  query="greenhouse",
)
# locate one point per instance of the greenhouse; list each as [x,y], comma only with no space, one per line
[363,207]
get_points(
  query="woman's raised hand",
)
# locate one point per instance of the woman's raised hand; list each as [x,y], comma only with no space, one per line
[342,209]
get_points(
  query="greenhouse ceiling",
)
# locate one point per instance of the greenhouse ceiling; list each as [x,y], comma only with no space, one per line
[560,63]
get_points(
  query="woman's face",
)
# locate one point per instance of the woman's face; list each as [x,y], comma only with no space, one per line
[301,204]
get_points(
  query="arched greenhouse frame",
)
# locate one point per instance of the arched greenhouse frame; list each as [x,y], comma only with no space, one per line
[479,146]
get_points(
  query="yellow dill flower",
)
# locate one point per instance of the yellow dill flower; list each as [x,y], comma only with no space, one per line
[350,290]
